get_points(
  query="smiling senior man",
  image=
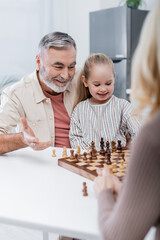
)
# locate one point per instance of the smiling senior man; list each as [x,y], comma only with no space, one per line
[39,106]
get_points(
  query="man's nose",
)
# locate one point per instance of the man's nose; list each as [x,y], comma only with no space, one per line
[64,73]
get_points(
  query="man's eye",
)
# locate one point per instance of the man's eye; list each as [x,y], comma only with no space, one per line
[58,67]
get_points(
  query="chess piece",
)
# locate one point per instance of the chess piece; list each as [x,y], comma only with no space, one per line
[64,154]
[110,168]
[84,156]
[76,157]
[123,156]
[53,153]
[114,168]
[89,158]
[93,151]
[72,154]
[122,167]
[88,149]
[85,193]
[108,148]
[109,159]
[119,147]
[78,150]
[113,144]
[107,144]
[102,151]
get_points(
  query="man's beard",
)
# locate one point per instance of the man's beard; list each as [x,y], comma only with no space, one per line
[50,82]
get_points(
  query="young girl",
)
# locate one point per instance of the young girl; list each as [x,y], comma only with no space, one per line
[99,113]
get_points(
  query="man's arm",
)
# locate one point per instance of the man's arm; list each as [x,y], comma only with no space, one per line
[11,142]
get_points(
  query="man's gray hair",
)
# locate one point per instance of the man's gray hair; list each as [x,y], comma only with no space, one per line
[56,39]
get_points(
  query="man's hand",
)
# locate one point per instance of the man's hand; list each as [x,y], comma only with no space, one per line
[29,138]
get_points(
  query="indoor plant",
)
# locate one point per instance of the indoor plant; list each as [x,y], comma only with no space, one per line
[132,3]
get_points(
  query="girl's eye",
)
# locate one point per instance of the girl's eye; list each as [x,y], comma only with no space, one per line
[96,85]
[72,67]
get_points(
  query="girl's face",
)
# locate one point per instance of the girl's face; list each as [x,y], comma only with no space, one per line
[100,83]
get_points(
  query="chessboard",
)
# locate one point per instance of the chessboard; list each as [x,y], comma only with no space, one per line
[85,164]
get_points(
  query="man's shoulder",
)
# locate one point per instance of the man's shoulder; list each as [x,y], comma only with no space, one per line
[24,82]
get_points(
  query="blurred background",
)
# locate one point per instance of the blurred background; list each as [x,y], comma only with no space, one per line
[24,22]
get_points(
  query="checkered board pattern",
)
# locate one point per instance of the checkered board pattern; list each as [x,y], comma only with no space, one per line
[88,169]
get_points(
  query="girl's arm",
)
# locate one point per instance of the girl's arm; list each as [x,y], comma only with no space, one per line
[76,131]
[130,121]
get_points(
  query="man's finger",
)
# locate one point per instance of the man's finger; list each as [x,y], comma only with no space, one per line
[24,123]
[40,145]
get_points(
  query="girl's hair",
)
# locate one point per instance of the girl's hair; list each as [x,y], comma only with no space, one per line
[146,65]
[93,59]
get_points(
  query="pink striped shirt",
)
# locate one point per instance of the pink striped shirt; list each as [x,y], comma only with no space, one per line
[110,120]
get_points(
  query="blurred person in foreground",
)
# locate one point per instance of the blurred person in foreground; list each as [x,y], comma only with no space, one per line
[128,212]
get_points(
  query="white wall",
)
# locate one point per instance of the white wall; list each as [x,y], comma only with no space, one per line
[72,16]
[24,22]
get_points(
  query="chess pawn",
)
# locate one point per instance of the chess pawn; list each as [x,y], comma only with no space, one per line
[123,156]
[85,156]
[110,168]
[109,159]
[102,151]
[76,157]
[122,167]
[93,154]
[119,147]
[78,150]
[93,151]
[64,154]
[85,193]
[88,149]
[53,153]
[72,154]
[101,143]
[114,168]
[113,144]
[92,144]
[107,144]
[89,158]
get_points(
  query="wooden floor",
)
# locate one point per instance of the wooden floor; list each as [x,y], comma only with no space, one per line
[18,233]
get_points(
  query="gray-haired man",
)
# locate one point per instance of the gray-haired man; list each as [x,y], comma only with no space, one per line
[40,104]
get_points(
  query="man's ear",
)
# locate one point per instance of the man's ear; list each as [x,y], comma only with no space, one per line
[38,62]
[84,81]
